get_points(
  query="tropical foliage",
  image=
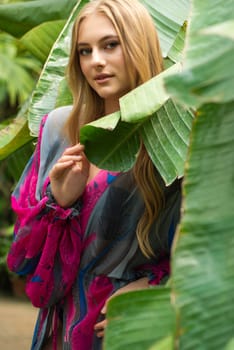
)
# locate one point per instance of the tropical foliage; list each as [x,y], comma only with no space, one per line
[196,311]
[17,63]
[185,117]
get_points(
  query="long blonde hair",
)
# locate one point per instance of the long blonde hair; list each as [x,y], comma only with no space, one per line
[142,54]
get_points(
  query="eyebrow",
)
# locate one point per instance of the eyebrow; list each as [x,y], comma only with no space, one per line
[106,37]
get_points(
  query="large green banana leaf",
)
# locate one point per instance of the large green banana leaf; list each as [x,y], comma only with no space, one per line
[203,263]
[15,135]
[40,39]
[168,16]
[133,316]
[12,167]
[207,75]
[50,92]
[202,281]
[146,113]
[19,18]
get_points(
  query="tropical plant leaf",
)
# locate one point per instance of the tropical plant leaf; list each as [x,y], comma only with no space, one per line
[21,16]
[169,16]
[40,39]
[16,161]
[146,113]
[165,134]
[15,135]
[176,52]
[230,345]
[164,344]
[111,144]
[136,320]
[16,64]
[147,98]
[166,137]
[203,263]
[207,76]
[64,97]
[46,95]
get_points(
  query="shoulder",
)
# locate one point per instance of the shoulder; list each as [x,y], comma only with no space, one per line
[52,142]
[53,124]
[56,119]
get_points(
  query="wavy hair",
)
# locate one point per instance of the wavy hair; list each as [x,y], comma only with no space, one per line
[139,41]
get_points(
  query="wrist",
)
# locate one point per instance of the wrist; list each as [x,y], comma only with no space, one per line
[53,199]
[74,209]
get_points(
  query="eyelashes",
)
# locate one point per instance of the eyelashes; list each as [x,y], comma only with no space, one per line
[112,44]
[86,51]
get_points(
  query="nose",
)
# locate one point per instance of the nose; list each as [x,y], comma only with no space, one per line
[98,58]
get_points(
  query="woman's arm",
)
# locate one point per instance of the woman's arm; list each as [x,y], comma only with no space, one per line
[69,175]
[47,242]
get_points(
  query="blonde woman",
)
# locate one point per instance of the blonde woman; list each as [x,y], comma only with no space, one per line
[84,234]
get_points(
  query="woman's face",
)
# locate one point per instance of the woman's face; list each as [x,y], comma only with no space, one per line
[102,60]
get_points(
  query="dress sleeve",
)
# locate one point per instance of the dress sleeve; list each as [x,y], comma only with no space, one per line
[47,238]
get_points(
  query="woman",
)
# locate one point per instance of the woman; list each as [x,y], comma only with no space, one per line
[85,234]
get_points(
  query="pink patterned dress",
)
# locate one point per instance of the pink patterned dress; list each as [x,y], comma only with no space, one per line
[75,258]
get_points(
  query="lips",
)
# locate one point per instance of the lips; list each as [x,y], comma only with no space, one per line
[102,78]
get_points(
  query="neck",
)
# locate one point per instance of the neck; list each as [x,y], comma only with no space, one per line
[111,106]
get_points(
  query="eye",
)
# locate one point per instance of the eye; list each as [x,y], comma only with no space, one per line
[111,45]
[84,51]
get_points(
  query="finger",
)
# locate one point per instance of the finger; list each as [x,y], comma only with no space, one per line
[100,328]
[104,309]
[74,149]
[100,334]
[100,325]
[59,168]
[66,158]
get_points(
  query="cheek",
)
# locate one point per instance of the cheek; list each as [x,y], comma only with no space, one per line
[84,68]
[120,59]
[121,64]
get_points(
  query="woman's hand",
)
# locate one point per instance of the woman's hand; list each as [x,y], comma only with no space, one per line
[141,283]
[69,176]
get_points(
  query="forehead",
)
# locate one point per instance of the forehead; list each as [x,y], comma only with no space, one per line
[95,27]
